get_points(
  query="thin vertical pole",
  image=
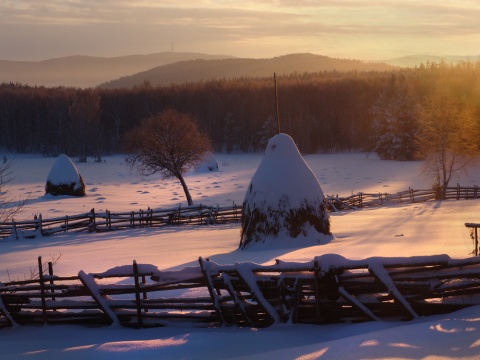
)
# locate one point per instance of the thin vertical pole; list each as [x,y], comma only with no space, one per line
[137,294]
[50,273]
[476,241]
[42,289]
[276,102]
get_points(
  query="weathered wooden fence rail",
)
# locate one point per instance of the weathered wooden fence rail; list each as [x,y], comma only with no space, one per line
[198,215]
[362,200]
[328,289]
[106,221]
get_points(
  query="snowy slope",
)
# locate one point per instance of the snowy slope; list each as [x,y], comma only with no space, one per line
[417,229]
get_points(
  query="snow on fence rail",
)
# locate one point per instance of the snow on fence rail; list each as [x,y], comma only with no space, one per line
[328,289]
[106,221]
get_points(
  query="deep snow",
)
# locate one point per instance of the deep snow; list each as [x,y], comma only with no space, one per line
[417,229]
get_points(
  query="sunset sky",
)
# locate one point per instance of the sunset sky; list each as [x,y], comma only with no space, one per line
[361,29]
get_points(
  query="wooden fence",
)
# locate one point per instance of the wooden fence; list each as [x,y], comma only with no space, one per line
[362,200]
[106,221]
[328,289]
[199,215]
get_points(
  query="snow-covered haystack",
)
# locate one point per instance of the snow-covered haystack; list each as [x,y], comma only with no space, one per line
[284,203]
[64,178]
[207,164]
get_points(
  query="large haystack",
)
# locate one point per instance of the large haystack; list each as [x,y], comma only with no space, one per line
[64,178]
[284,203]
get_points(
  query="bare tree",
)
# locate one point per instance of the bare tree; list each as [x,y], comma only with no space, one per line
[447,137]
[9,206]
[169,143]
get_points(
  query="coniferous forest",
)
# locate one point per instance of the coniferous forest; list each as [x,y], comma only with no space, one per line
[323,112]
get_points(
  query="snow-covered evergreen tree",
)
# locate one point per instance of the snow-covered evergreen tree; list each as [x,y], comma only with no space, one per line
[284,202]
[395,122]
[269,129]
[231,131]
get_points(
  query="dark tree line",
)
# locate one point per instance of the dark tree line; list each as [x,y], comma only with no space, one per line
[323,112]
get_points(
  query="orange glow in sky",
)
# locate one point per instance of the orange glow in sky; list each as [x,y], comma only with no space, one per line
[362,29]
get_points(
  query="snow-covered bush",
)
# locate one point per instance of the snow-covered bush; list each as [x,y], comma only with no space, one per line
[284,199]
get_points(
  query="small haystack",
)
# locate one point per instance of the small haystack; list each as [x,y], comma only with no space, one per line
[207,164]
[64,178]
[284,203]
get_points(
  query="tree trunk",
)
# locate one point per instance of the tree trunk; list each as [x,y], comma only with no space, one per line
[185,189]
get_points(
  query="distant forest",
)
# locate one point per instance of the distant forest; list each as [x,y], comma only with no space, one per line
[323,112]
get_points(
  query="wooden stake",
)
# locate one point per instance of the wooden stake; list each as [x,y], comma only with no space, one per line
[137,294]
[42,289]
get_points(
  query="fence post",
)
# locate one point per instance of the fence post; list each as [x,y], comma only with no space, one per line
[458,191]
[42,289]
[40,224]
[93,223]
[50,273]
[14,229]
[137,294]
[144,281]
[109,220]
[476,241]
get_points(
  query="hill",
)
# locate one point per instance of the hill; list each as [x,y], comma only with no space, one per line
[165,68]
[87,71]
[203,70]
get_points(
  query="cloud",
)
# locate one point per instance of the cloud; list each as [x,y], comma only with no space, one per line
[262,27]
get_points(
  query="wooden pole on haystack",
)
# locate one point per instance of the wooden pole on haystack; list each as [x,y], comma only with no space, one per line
[276,102]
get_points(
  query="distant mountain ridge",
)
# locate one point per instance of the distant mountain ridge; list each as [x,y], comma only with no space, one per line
[417,60]
[202,70]
[88,71]
[165,68]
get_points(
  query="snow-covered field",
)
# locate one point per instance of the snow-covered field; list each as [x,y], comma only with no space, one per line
[391,231]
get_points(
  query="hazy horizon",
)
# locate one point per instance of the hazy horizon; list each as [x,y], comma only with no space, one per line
[228,56]
[364,30]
